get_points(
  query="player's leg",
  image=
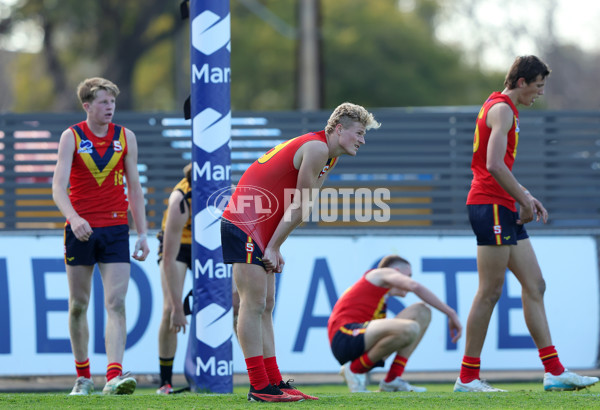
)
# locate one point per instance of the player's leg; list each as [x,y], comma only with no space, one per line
[115,279]
[420,313]
[80,282]
[491,268]
[167,339]
[494,227]
[268,333]
[253,285]
[492,261]
[235,304]
[523,263]
[251,282]
[386,336]
[269,353]
[80,261]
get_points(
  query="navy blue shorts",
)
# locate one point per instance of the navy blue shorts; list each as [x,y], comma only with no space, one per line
[108,244]
[348,342]
[495,225]
[184,255]
[238,246]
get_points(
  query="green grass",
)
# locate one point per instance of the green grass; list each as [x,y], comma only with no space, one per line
[520,395]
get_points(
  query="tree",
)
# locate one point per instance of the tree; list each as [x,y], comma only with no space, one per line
[101,38]
[374,53]
[377,55]
[493,28]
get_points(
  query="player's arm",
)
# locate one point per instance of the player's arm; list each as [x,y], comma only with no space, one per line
[401,284]
[178,213]
[500,120]
[135,196]
[60,182]
[312,157]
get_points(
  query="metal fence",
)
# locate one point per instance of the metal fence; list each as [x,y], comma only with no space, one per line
[422,156]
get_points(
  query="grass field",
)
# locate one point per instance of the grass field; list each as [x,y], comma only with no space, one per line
[520,395]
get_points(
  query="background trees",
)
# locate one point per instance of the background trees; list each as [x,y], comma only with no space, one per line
[376,53]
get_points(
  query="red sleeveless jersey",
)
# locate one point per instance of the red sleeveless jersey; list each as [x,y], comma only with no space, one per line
[362,302]
[484,187]
[96,182]
[265,190]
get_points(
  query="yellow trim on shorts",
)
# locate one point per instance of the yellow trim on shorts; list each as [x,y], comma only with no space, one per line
[497,223]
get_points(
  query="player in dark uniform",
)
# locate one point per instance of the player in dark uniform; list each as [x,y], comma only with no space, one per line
[502,241]
[269,202]
[95,158]
[174,259]
[361,336]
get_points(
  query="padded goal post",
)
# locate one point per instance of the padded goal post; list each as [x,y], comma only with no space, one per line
[209,364]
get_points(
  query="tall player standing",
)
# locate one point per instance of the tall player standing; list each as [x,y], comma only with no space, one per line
[252,240]
[502,241]
[95,159]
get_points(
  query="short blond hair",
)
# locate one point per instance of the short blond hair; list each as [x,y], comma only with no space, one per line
[348,113]
[88,89]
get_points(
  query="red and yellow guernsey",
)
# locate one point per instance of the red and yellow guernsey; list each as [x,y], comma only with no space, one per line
[263,192]
[96,183]
[362,302]
[484,188]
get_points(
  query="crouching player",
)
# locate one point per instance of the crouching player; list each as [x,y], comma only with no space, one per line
[360,335]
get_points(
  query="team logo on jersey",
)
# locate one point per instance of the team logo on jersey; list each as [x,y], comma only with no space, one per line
[85,147]
[517,129]
[117,146]
[329,164]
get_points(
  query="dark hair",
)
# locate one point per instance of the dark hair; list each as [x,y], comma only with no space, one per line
[390,260]
[527,67]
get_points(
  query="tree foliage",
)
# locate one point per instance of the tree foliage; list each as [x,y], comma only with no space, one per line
[373,54]
[95,38]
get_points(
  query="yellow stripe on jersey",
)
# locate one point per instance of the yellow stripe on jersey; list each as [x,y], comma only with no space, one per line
[99,175]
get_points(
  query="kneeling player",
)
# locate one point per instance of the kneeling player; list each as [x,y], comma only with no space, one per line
[360,335]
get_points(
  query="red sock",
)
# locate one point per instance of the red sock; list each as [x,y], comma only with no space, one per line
[83,368]
[397,368]
[469,370]
[273,370]
[113,370]
[257,373]
[361,365]
[550,360]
